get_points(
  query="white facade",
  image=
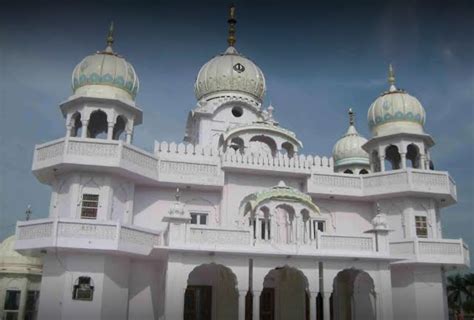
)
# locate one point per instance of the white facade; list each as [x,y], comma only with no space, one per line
[257,230]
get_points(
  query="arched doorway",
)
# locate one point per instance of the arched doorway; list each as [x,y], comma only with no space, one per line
[285,295]
[353,296]
[211,294]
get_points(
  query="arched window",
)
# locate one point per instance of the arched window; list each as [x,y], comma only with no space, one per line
[237,144]
[348,171]
[119,128]
[263,145]
[97,127]
[392,157]
[363,171]
[76,123]
[288,148]
[83,289]
[413,154]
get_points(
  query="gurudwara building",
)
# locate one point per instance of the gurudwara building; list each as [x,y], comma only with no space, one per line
[235,222]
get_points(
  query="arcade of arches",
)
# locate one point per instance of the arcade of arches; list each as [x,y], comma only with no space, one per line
[212,293]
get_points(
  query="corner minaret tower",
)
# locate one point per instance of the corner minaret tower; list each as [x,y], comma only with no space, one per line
[103,105]
[396,120]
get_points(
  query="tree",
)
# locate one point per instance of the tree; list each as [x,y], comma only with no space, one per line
[461,293]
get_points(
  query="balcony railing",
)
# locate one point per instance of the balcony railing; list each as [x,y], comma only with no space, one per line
[439,251]
[80,234]
[436,183]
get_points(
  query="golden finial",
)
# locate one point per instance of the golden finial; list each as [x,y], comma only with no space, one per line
[231,21]
[110,36]
[351,117]
[391,75]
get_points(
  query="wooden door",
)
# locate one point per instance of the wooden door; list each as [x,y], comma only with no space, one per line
[198,303]
[267,304]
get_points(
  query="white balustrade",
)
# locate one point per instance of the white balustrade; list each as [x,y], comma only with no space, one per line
[80,234]
[218,236]
[431,251]
[346,243]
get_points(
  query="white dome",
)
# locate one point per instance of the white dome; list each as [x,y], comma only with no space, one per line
[348,150]
[230,72]
[395,111]
[105,70]
[14,262]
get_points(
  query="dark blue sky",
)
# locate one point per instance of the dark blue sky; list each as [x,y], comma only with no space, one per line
[319,58]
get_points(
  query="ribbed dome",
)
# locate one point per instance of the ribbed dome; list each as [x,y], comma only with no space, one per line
[230,72]
[105,69]
[14,262]
[348,150]
[396,111]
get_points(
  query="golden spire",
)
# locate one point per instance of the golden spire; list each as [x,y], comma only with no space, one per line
[231,21]
[110,36]
[391,75]
[351,117]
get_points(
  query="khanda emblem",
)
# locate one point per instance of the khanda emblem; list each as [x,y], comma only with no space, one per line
[238,67]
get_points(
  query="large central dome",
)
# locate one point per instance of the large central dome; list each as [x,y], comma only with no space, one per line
[230,71]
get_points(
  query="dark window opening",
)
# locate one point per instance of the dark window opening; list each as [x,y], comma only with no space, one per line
[98,125]
[237,112]
[83,289]
[90,204]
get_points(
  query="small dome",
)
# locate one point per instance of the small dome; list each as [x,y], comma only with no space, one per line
[395,111]
[230,71]
[105,69]
[13,262]
[348,150]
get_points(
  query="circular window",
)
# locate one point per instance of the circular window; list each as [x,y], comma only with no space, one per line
[237,111]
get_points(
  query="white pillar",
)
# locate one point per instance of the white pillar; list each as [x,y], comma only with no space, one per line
[128,137]
[175,290]
[110,130]
[403,156]
[85,124]
[423,162]
[312,305]
[382,163]
[258,229]
[326,305]
[242,294]
[68,130]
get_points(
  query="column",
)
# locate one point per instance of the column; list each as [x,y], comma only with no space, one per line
[423,162]
[258,229]
[256,304]
[403,155]
[68,130]
[326,306]
[110,130]
[312,305]
[128,137]
[85,124]
[175,290]
[242,294]
[382,163]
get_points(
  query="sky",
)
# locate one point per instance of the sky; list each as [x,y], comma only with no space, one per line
[319,58]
